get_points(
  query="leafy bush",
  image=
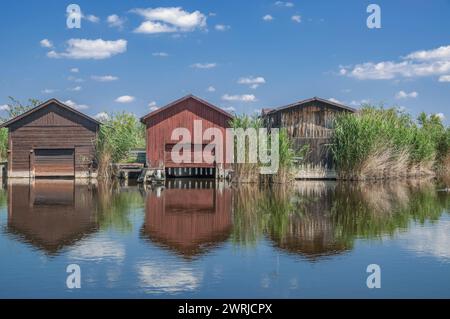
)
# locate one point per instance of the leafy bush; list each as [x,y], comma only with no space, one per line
[3,144]
[13,109]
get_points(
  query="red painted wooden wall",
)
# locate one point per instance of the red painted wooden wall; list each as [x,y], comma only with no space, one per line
[182,114]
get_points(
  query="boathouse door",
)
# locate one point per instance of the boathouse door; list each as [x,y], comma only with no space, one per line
[54,162]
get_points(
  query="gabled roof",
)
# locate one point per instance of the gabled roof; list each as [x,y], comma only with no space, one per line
[189,96]
[314,99]
[45,104]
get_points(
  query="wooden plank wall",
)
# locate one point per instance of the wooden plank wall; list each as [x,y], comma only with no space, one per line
[52,127]
[182,115]
[311,124]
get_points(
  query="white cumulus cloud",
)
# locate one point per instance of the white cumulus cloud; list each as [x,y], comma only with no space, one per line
[75,105]
[75,89]
[74,70]
[102,116]
[90,49]
[267,18]
[229,109]
[359,102]
[444,78]
[204,65]
[92,18]
[75,79]
[125,99]
[441,53]
[296,18]
[222,27]
[160,54]
[80,15]
[332,99]
[421,63]
[114,21]
[154,27]
[48,91]
[169,19]
[4,107]
[239,98]
[104,78]
[152,106]
[46,43]
[211,89]
[406,95]
[284,4]
[253,82]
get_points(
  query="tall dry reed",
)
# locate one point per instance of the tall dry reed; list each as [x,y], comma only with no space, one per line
[378,143]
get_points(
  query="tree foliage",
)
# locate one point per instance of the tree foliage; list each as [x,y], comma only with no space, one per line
[13,108]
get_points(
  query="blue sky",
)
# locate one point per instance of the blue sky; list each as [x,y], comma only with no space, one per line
[239,55]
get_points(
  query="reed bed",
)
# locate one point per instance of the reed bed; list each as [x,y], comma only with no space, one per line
[118,135]
[250,172]
[378,143]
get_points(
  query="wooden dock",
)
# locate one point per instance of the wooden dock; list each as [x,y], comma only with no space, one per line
[127,170]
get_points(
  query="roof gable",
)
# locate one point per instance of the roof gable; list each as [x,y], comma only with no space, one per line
[185,98]
[314,99]
[43,106]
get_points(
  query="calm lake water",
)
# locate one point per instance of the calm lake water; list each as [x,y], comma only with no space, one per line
[198,239]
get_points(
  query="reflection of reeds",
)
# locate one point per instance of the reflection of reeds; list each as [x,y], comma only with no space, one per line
[115,205]
[260,210]
[248,224]
[318,218]
[285,174]
[296,218]
[245,173]
[3,197]
[372,210]
[313,188]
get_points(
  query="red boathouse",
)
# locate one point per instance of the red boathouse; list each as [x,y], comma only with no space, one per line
[183,113]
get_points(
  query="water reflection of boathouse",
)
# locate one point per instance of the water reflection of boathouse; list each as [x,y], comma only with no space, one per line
[188,217]
[310,230]
[50,215]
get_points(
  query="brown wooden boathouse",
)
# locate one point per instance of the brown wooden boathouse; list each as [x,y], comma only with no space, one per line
[309,122]
[52,140]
